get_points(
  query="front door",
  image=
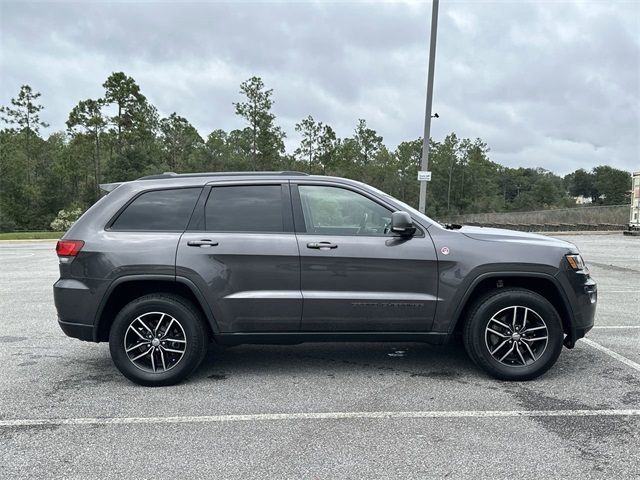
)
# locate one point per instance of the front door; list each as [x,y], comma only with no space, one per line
[355,277]
[244,255]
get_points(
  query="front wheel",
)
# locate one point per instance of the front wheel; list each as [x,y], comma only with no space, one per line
[157,340]
[513,334]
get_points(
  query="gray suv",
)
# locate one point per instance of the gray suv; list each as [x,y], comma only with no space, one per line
[163,265]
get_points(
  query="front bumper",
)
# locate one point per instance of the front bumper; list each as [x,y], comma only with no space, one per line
[582,294]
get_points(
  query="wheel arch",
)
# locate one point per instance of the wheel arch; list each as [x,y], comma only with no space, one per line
[126,289]
[540,283]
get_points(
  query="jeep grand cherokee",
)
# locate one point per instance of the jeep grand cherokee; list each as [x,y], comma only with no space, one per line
[163,265]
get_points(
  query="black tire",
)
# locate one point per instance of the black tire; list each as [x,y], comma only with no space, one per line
[166,365]
[495,307]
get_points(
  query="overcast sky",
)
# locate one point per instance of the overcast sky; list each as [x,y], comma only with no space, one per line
[547,83]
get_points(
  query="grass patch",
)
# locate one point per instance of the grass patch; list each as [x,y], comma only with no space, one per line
[30,235]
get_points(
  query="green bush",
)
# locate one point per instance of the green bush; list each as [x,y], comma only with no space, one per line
[65,219]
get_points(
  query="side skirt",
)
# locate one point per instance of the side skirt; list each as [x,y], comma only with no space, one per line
[293,338]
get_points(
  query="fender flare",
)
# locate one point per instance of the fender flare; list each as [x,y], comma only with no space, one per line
[464,300]
[202,301]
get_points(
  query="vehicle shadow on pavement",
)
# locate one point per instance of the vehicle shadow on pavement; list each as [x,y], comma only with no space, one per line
[319,359]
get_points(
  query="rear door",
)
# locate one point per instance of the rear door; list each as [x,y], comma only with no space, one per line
[355,277]
[241,251]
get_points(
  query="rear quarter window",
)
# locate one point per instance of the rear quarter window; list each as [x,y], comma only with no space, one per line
[159,210]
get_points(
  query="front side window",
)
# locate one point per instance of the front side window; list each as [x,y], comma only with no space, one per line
[245,208]
[159,210]
[337,211]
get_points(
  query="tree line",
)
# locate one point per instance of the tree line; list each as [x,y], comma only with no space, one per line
[120,136]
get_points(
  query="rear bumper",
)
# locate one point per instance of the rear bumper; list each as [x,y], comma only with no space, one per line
[76,306]
[77,330]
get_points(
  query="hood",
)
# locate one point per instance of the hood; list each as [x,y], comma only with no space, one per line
[502,235]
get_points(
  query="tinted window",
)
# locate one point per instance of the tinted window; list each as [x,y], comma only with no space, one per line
[337,211]
[159,210]
[247,208]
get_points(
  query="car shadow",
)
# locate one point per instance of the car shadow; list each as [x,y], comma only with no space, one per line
[311,359]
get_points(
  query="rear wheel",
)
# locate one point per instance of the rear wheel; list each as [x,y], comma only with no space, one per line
[513,334]
[157,340]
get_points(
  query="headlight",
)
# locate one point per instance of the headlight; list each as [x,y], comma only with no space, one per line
[575,262]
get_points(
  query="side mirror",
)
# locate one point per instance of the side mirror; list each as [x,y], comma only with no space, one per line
[402,224]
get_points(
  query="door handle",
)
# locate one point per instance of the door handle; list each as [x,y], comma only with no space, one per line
[202,243]
[321,245]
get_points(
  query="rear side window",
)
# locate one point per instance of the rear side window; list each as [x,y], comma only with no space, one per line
[246,208]
[159,210]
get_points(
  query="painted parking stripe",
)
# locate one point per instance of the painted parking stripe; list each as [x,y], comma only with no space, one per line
[15,257]
[317,416]
[618,291]
[612,354]
[621,327]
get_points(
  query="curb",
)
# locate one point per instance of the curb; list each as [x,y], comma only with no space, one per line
[582,232]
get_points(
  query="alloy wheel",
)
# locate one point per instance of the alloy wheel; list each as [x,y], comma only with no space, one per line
[516,336]
[155,342]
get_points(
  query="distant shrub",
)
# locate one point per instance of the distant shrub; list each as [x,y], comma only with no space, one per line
[7,224]
[65,219]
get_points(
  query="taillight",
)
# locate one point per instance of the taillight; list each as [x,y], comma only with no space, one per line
[69,248]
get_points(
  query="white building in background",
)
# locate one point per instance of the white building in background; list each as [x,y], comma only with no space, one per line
[582,200]
[634,217]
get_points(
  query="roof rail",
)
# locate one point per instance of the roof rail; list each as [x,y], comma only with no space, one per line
[220,174]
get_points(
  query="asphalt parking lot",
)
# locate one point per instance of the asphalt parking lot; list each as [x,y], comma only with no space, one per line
[318,410]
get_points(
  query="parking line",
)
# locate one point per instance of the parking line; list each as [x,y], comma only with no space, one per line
[618,291]
[611,353]
[28,422]
[15,257]
[601,327]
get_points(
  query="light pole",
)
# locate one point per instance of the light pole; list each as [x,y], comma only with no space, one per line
[424,164]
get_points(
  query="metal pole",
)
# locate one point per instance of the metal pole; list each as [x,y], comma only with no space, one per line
[427,116]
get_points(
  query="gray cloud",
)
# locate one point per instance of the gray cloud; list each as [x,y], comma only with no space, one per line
[550,84]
